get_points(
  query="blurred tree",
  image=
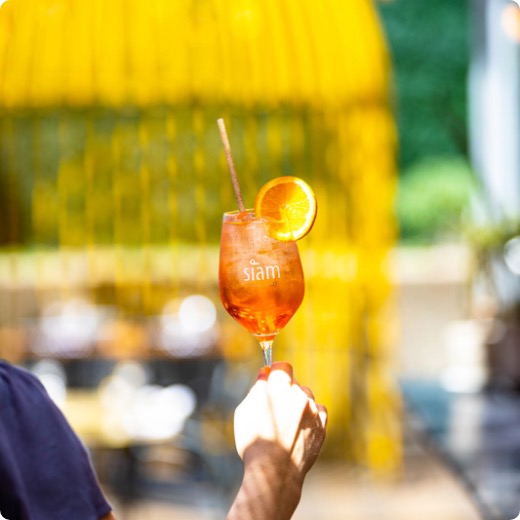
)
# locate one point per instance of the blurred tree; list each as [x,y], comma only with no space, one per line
[429,47]
[433,198]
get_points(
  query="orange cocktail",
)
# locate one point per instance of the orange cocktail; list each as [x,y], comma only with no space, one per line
[260,278]
[260,274]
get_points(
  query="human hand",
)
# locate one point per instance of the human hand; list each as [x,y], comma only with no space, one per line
[279,432]
[278,412]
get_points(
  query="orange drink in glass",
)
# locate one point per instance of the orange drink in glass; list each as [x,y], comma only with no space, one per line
[261,280]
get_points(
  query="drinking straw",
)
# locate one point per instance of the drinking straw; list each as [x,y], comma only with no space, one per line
[231,166]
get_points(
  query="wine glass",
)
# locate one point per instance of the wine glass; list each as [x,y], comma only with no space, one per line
[260,278]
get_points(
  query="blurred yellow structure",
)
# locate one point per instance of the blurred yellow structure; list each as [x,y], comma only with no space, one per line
[113,181]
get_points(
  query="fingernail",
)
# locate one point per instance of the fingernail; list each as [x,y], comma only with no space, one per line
[263,374]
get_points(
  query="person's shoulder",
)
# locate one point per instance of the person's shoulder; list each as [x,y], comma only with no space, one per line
[9,371]
[23,398]
[9,368]
[14,378]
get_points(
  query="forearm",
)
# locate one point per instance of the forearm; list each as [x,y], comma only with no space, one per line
[269,491]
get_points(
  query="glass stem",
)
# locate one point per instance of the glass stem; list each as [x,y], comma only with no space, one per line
[267,350]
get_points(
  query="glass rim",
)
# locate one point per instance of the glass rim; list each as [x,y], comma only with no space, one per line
[237,211]
[231,216]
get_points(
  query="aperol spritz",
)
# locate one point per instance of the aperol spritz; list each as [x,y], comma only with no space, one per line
[260,278]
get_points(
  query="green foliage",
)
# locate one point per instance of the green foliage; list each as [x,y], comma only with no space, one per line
[432,198]
[428,43]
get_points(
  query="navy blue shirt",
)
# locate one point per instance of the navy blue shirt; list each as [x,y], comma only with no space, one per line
[45,471]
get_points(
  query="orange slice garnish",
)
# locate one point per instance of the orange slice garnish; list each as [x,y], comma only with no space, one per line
[289,206]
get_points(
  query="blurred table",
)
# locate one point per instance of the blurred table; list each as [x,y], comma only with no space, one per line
[164,436]
[93,422]
[478,436]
